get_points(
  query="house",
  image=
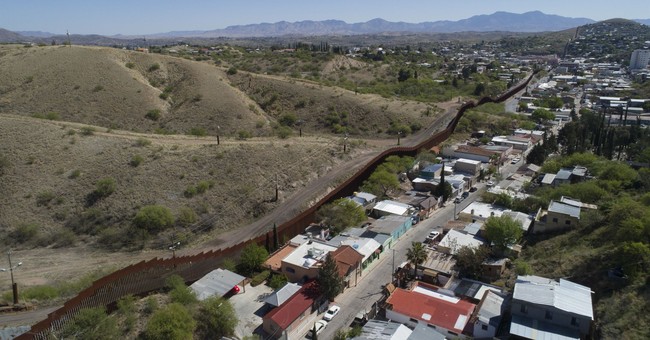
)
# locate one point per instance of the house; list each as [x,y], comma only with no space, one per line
[547,309]
[524,219]
[283,294]
[454,240]
[477,153]
[348,262]
[559,216]
[363,199]
[304,262]
[388,207]
[488,315]
[428,305]
[218,282]
[469,166]
[472,290]
[287,321]
[438,268]
[431,171]
[479,211]
[516,142]
[394,226]
[388,330]
[492,269]
[367,248]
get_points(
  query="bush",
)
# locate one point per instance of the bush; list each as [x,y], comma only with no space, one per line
[153,114]
[105,187]
[64,238]
[232,71]
[98,88]
[243,134]
[174,322]
[4,164]
[190,192]
[154,218]
[277,281]
[284,132]
[25,232]
[74,174]
[186,216]
[142,142]
[154,67]
[180,292]
[44,198]
[259,278]
[130,65]
[87,131]
[136,160]
[199,132]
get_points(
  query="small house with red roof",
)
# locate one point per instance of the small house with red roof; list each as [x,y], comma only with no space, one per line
[289,319]
[348,262]
[426,304]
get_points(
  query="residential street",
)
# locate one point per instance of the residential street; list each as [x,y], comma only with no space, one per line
[369,289]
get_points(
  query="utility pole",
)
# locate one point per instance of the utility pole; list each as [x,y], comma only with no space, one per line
[14,285]
[173,248]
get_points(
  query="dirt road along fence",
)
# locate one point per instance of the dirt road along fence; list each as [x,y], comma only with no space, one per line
[149,276]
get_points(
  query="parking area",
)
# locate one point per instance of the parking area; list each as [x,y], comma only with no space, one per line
[249,307]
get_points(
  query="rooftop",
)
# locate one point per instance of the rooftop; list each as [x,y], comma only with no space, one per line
[483,210]
[424,303]
[564,295]
[563,208]
[468,161]
[283,294]
[274,261]
[525,219]
[290,310]
[217,282]
[388,224]
[491,308]
[308,254]
[392,207]
[346,257]
[454,240]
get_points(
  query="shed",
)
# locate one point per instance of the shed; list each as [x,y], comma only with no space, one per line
[217,282]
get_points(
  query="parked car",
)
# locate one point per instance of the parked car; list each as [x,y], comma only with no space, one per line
[457,200]
[473,189]
[432,235]
[515,160]
[490,183]
[464,195]
[331,312]
[319,326]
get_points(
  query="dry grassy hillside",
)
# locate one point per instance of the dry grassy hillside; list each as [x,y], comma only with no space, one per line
[116,89]
[330,108]
[53,167]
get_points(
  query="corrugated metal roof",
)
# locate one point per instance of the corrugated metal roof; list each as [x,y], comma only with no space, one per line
[563,208]
[283,294]
[548,179]
[392,207]
[564,295]
[491,309]
[563,174]
[534,329]
[217,282]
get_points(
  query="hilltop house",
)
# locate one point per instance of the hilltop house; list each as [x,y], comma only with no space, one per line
[559,216]
[547,309]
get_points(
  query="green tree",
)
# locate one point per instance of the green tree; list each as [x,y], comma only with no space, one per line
[469,260]
[403,75]
[341,214]
[252,257]
[537,155]
[634,258]
[216,318]
[179,291]
[542,115]
[91,323]
[417,254]
[173,322]
[277,281]
[381,182]
[103,188]
[503,231]
[154,218]
[331,284]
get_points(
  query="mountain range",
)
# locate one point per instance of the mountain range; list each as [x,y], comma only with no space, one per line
[534,21]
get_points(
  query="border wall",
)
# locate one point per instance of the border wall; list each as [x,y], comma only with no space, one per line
[148,276]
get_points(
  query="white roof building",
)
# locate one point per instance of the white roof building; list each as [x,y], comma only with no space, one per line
[393,208]
[564,295]
[454,240]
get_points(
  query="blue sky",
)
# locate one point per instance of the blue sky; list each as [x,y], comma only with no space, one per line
[148,16]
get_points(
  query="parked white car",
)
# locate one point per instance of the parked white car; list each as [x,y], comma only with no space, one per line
[331,312]
[319,326]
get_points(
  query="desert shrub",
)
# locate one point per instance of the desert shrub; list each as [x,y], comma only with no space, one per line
[259,278]
[243,134]
[153,114]
[129,65]
[199,132]
[186,216]
[44,198]
[142,142]
[150,305]
[288,119]
[173,322]
[163,95]
[63,238]
[4,164]
[154,218]
[136,160]
[190,191]
[87,131]
[197,97]
[179,291]
[74,174]
[283,132]
[232,71]
[105,187]
[154,67]
[24,233]
[277,281]
[98,88]
[40,293]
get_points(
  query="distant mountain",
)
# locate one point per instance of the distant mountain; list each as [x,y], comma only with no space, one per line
[499,21]
[36,34]
[643,21]
[9,36]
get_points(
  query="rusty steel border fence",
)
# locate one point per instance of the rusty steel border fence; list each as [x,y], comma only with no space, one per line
[148,276]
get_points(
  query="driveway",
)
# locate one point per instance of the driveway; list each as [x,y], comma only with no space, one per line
[249,307]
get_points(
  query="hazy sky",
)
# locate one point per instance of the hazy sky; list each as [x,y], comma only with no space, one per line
[109,17]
